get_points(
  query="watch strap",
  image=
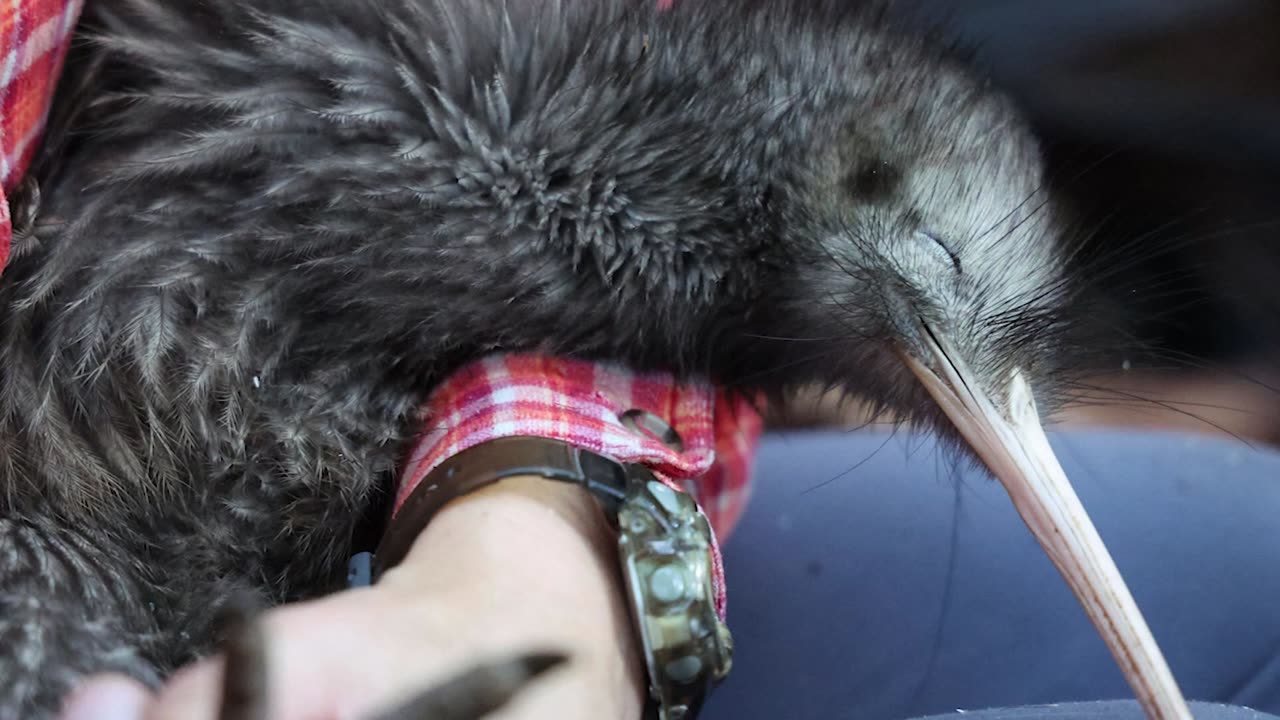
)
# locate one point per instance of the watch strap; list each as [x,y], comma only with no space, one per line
[487,463]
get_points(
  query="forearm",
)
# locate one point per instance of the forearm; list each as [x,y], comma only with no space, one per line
[534,562]
[527,565]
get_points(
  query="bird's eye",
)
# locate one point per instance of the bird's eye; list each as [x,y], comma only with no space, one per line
[873,181]
[940,248]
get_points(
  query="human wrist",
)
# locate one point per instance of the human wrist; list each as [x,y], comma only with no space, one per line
[531,564]
[568,419]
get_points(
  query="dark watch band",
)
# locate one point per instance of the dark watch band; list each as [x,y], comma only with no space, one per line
[488,463]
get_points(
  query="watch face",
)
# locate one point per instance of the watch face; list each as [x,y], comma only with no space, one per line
[665,548]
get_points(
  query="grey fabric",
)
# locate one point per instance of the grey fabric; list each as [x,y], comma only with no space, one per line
[1113,710]
[903,588]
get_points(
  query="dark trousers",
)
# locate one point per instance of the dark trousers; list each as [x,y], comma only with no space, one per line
[910,587]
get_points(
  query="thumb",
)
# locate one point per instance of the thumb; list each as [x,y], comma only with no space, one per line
[107,697]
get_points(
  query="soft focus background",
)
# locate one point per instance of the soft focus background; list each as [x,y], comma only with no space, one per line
[1162,122]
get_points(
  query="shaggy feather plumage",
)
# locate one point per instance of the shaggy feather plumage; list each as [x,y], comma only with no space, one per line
[272,225]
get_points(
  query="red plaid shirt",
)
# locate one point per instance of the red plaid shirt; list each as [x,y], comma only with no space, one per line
[519,395]
[34,36]
[580,403]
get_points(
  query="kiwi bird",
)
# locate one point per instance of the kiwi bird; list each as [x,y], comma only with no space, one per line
[266,228]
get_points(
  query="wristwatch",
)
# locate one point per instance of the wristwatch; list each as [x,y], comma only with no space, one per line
[664,550]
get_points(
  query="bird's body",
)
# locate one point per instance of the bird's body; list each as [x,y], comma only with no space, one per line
[274,225]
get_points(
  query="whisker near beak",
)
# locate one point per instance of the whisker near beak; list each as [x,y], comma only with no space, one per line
[1014,447]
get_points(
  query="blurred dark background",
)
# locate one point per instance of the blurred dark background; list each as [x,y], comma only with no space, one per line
[1161,119]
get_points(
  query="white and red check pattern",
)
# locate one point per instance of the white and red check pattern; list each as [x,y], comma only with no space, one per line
[579,403]
[34,37]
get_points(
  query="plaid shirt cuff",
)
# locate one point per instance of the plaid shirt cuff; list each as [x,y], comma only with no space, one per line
[34,37]
[579,403]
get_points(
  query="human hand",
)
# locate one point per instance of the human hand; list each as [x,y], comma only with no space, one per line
[524,566]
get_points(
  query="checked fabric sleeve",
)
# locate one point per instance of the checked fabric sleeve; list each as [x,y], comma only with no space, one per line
[580,402]
[34,37]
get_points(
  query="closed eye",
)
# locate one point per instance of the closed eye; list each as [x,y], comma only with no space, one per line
[939,247]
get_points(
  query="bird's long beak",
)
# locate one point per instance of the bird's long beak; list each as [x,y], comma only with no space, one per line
[1013,445]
